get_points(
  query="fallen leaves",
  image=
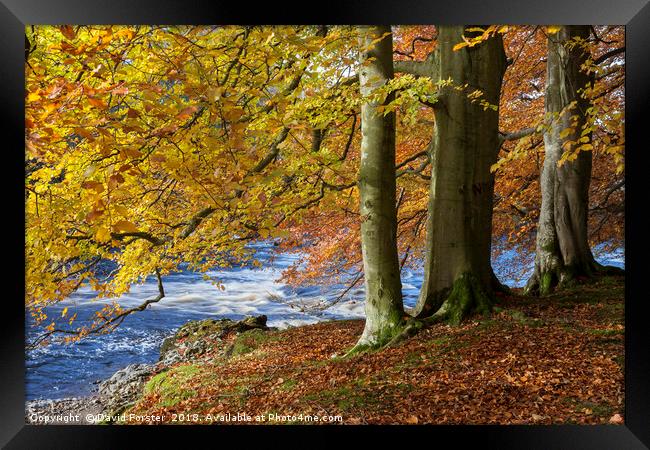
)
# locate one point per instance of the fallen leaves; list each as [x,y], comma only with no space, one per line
[616,419]
[544,374]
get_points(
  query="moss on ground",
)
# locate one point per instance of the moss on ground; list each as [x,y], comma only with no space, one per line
[172,384]
[521,318]
[587,407]
[288,385]
[249,341]
[346,397]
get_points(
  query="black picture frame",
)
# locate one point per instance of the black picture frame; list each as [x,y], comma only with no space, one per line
[635,14]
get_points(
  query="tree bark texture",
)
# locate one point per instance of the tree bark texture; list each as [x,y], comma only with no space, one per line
[458,277]
[562,247]
[384,309]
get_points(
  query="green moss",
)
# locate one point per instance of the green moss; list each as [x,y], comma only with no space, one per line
[440,341]
[523,319]
[597,409]
[199,329]
[550,247]
[394,327]
[610,281]
[601,332]
[249,341]
[546,283]
[620,360]
[172,384]
[487,323]
[288,385]
[369,393]
[412,359]
[346,397]
[467,296]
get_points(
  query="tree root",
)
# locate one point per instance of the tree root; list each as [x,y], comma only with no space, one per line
[364,347]
[467,296]
[543,283]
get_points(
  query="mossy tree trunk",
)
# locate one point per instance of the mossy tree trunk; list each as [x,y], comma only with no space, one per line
[458,277]
[384,309]
[562,247]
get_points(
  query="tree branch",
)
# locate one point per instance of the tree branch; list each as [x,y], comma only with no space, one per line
[109,324]
[348,144]
[139,234]
[415,39]
[503,136]
[196,221]
[273,153]
[418,171]
[609,54]
[426,68]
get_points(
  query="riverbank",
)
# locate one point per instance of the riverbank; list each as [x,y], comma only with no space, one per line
[558,359]
[124,387]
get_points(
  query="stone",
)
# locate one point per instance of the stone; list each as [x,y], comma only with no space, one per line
[125,386]
[198,337]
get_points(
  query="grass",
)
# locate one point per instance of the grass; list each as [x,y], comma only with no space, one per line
[586,407]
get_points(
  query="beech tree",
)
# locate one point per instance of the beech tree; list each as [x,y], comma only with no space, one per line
[458,275]
[562,247]
[384,309]
[336,254]
[153,146]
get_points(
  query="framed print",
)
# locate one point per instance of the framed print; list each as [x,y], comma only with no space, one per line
[392,218]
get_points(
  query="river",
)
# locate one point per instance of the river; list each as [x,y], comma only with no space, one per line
[72,370]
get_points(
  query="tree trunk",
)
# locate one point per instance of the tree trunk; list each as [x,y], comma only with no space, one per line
[562,248]
[384,308]
[458,277]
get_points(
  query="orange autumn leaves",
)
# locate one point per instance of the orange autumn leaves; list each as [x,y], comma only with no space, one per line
[133,132]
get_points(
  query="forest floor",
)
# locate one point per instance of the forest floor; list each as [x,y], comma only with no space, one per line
[556,359]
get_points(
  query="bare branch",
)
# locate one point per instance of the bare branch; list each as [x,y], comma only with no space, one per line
[426,68]
[503,136]
[415,39]
[109,324]
[417,171]
[342,295]
[350,138]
